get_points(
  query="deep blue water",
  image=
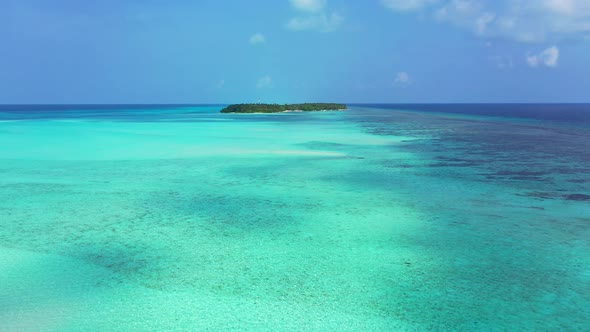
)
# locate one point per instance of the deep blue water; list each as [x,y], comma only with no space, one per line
[574,113]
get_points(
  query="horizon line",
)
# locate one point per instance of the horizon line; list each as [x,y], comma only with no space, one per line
[346,103]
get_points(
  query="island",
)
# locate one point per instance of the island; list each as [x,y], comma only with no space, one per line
[276,108]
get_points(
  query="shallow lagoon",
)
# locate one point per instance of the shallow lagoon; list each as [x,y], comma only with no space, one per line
[370,219]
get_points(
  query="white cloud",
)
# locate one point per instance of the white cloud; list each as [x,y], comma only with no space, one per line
[264,82]
[257,38]
[317,17]
[548,57]
[322,22]
[482,22]
[407,5]
[561,6]
[309,5]
[531,21]
[402,78]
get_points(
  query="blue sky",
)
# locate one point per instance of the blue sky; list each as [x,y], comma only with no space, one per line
[181,51]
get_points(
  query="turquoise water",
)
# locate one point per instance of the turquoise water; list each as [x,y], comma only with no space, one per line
[182,219]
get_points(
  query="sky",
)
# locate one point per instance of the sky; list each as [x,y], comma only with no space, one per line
[352,51]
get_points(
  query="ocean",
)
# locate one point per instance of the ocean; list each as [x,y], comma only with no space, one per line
[472,217]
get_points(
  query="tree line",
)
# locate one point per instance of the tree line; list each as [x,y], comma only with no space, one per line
[275,108]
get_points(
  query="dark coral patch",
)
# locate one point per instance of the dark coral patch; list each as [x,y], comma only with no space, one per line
[577,197]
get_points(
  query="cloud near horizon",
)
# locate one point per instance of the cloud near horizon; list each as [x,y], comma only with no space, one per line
[402,78]
[548,58]
[529,21]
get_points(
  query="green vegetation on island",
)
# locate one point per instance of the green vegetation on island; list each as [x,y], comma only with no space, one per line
[276,108]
